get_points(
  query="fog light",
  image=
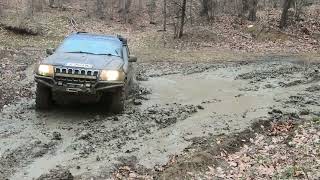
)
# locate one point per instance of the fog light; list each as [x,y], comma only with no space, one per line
[60,83]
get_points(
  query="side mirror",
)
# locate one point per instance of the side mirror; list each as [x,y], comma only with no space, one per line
[133,59]
[50,51]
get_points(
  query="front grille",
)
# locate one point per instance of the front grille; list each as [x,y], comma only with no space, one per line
[73,75]
[74,71]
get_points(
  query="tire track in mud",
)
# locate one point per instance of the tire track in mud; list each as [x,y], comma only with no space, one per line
[22,139]
[22,155]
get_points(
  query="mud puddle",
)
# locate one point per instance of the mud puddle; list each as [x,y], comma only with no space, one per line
[210,99]
[224,106]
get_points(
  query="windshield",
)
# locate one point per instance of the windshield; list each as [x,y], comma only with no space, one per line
[91,46]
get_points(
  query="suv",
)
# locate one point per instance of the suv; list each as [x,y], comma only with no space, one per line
[86,67]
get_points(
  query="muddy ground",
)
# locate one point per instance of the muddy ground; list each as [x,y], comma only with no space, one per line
[176,107]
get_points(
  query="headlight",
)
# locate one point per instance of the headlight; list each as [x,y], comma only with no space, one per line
[45,70]
[112,75]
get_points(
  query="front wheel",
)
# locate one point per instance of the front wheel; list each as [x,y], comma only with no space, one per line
[118,100]
[43,97]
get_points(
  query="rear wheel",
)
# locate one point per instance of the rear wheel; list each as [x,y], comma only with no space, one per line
[43,97]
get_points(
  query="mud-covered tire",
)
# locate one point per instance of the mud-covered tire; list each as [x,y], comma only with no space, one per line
[118,100]
[43,97]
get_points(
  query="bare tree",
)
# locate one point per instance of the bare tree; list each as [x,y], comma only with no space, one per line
[190,12]
[1,9]
[59,3]
[164,15]
[28,10]
[140,6]
[284,15]
[208,9]
[213,6]
[124,9]
[152,6]
[253,10]
[86,7]
[100,8]
[204,8]
[38,5]
[298,7]
[55,3]
[51,3]
[183,16]
[244,8]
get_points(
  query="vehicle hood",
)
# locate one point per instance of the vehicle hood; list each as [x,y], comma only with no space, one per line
[85,60]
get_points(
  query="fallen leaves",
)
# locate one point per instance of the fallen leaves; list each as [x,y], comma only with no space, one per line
[270,157]
[126,172]
[281,127]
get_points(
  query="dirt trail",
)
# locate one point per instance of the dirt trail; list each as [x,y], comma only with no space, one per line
[180,101]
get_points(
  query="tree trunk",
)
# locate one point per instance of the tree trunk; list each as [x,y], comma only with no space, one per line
[124,9]
[284,15]
[152,6]
[100,9]
[59,3]
[1,10]
[183,16]
[190,12]
[253,10]
[245,8]
[51,3]
[204,8]
[164,15]
[275,4]
[87,9]
[140,6]
[38,6]
[28,12]
[213,6]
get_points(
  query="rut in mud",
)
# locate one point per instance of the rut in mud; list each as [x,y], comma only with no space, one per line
[176,103]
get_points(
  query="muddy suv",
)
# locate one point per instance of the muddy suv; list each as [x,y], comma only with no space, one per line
[86,67]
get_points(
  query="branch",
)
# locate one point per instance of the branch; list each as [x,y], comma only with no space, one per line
[74,24]
[175,3]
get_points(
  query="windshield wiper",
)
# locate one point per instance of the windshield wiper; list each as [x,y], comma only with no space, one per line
[81,52]
[111,55]
[101,54]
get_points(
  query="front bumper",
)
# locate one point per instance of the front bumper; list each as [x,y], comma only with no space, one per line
[78,87]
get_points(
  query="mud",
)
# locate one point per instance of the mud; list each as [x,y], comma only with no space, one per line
[57,174]
[176,106]
[15,64]
[207,151]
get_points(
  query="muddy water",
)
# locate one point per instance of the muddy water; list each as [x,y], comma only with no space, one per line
[219,99]
[225,106]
